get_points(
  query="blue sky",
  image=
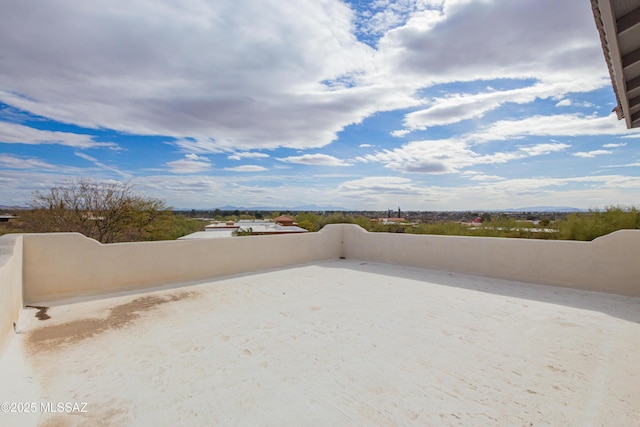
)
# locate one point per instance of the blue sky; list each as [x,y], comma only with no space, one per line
[424,104]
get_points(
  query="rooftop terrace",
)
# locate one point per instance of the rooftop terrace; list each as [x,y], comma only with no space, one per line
[302,337]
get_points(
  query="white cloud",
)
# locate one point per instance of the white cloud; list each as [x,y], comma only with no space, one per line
[292,74]
[13,162]
[453,154]
[400,133]
[199,145]
[450,110]
[554,125]
[247,168]
[102,166]
[183,190]
[375,192]
[438,156]
[593,153]
[627,165]
[540,149]
[375,183]
[564,103]
[481,177]
[586,104]
[579,191]
[610,181]
[450,155]
[461,106]
[296,79]
[380,191]
[145,69]
[614,145]
[385,15]
[315,159]
[504,40]
[191,163]
[12,133]
[457,107]
[247,155]
[247,189]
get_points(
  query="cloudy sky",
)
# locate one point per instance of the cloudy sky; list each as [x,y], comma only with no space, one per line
[422,104]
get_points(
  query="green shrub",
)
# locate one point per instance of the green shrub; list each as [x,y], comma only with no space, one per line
[590,225]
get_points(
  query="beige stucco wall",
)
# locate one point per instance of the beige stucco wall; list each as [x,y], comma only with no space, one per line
[64,265]
[10,285]
[608,264]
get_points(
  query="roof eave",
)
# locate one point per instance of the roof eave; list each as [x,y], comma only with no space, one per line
[606,25]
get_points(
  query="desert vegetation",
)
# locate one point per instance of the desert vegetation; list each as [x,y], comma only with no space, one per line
[574,226]
[108,212]
[113,212]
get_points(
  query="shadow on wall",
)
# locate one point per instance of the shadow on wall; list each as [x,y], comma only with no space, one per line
[608,304]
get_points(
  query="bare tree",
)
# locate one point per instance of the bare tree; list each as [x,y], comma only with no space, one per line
[105,211]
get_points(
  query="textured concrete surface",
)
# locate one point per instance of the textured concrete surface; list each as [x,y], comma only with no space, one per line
[332,343]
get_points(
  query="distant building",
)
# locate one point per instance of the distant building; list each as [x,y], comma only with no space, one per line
[475,222]
[273,229]
[215,230]
[390,221]
[280,225]
[221,226]
[285,220]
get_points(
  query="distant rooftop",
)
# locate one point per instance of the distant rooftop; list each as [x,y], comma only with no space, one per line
[280,225]
[208,235]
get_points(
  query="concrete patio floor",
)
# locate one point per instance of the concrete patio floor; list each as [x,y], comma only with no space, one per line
[342,342]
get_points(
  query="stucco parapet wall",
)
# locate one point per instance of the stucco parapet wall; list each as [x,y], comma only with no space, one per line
[607,264]
[64,265]
[10,284]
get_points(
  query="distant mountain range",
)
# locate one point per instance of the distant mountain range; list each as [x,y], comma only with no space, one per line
[337,208]
[11,208]
[272,208]
[543,209]
[269,208]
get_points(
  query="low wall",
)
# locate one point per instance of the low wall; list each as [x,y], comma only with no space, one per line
[10,285]
[608,264]
[64,265]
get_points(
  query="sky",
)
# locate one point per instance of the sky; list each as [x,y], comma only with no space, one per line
[364,105]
